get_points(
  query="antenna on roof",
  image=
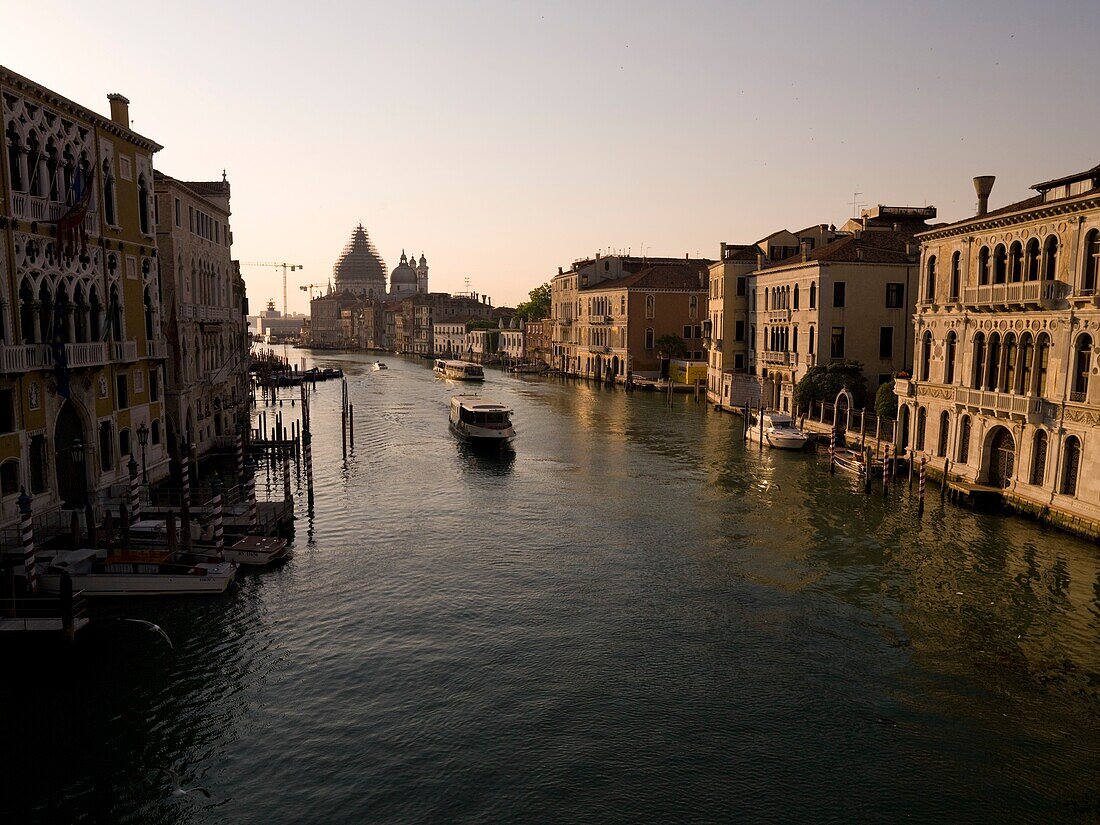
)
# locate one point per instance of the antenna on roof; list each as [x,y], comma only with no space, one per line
[856,203]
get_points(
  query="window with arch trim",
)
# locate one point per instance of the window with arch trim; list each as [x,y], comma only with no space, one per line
[951,347]
[964,440]
[1038,458]
[945,434]
[983,266]
[926,355]
[1032,260]
[1091,273]
[1071,465]
[1082,361]
[922,415]
[1050,258]
[930,281]
[956,275]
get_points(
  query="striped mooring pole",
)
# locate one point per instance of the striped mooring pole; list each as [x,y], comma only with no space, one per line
[135,491]
[219,527]
[286,474]
[238,445]
[307,457]
[185,475]
[253,513]
[832,451]
[26,530]
[920,486]
[885,469]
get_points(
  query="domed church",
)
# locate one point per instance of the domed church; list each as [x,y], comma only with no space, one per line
[360,270]
[409,277]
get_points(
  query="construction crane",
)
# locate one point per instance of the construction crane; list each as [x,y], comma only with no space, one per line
[310,287]
[286,268]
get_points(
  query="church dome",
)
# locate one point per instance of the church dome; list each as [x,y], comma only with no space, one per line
[360,268]
[403,277]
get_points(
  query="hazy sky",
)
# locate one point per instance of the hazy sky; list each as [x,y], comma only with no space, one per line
[505,139]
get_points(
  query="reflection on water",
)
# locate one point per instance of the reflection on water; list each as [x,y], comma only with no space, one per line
[634,615]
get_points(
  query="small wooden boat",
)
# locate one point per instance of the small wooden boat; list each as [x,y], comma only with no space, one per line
[135,573]
[852,461]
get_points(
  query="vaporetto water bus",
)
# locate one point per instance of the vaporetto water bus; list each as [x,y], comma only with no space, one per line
[481,422]
[459,370]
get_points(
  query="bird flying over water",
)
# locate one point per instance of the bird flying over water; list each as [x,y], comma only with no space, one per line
[177,790]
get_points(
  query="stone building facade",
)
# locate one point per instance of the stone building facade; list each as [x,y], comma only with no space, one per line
[206,311]
[608,313]
[1005,392]
[81,349]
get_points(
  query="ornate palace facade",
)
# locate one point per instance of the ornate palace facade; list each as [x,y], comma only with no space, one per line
[1007,325]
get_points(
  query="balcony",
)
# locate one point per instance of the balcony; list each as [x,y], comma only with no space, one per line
[779,316]
[206,314]
[600,350]
[123,351]
[156,349]
[24,357]
[1018,294]
[781,358]
[1003,404]
[1084,297]
[34,208]
[86,354]
[600,320]
[904,388]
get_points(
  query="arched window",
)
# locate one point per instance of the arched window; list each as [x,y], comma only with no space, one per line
[796,296]
[922,415]
[1082,361]
[9,477]
[1000,264]
[45,314]
[1050,258]
[813,296]
[983,266]
[1023,382]
[945,434]
[949,358]
[794,338]
[27,324]
[930,281]
[1008,379]
[964,440]
[925,355]
[80,315]
[767,299]
[95,316]
[956,267]
[114,314]
[154,432]
[15,159]
[994,361]
[811,344]
[978,379]
[1016,262]
[143,205]
[1042,363]
[650,305]
[1071,465]
[61,315]
[148,315]
[1039,458]
[1031,260]
[109,213]
[1092,262]
[693,306]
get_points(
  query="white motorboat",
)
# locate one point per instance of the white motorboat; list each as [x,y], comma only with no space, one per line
[134,573]
[779,431]
[378,366]
[248,550]
[459,370]
[481,422]
[529,369]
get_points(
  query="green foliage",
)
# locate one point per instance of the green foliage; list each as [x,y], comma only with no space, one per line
[538,307]
[472,325]
[886,403]
[671,346]
[823,381]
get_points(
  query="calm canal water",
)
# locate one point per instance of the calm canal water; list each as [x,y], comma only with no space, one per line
[635,618]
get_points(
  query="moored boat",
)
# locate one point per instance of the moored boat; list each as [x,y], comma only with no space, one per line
[254,551]
[851,461]
[135,573]
[481,422]
[779,431]
[459,370]
[378,366]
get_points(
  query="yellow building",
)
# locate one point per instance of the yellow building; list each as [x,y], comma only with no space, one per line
[81,348]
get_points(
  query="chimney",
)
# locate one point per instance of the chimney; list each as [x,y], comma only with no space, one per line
[120,109]
[983,185]
[805,244]
[722,251]
[759,260]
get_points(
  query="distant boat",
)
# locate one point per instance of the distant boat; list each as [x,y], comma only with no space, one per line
[534,368]
[377,366]
[459,370]
[779,431]
[481,422]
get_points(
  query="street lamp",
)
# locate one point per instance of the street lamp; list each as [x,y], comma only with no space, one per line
[76,451]
[143,439]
